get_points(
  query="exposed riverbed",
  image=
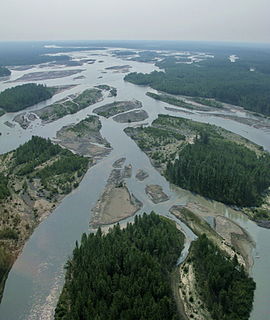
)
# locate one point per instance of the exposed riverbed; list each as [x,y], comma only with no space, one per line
[36,278]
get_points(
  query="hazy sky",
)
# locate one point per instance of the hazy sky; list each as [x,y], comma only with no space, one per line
[224,20]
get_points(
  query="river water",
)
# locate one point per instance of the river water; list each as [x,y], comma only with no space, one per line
[37,276]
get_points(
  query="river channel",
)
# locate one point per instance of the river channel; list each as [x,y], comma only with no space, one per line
[36,278]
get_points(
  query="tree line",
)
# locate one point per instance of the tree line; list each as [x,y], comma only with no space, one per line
[232,83]
[23,96]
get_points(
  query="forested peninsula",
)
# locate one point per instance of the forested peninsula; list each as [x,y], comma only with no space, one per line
[235,83]
[208,160]
[124,274]
[23,96]
[34,178]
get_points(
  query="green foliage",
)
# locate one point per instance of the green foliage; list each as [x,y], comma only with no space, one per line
[221,170]
[113,92]
[225,287]
[8,233]
[2,112]
[23,96]
[91,122]
[228,82]
[4,72]
[103,87]
[150,137]
[67,165]
[169,99]
[123,274]
[67,106]
[60,172]
[35,152]
[208,102]
[4,191]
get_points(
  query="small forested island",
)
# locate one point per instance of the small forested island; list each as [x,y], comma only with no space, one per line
[228,82]
[34,178]
[124,274]
[23,96]
[4,72]
[209,160]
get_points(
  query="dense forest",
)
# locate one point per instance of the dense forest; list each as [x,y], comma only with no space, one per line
[4,72]
[221,170]
[123,274]
[223,284]
[23,96]
[213,78]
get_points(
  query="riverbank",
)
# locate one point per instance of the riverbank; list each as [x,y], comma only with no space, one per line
[226,234]
[30,196]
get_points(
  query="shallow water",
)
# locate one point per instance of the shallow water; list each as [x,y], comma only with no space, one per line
[35,281]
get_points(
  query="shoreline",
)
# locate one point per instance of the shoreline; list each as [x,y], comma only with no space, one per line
[116,202]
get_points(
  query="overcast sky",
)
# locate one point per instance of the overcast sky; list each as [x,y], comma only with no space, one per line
[223,20]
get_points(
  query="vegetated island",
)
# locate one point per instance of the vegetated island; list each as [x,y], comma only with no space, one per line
[84,138]
[124,274]
[114,108]
[202,296]
[201,103]
[211,161]
[131,116]
[34,178]
[213,285]
[223,232]
[116,202]
[4,72]
[69,105]
[26,95]
[232,83]
[112,90]
[46,75]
